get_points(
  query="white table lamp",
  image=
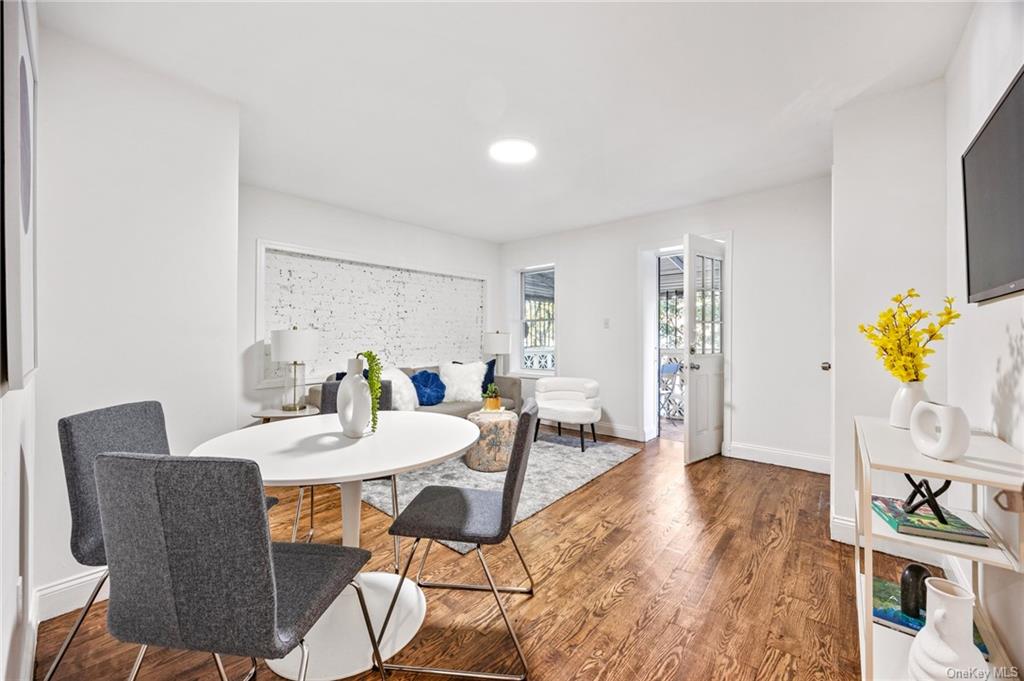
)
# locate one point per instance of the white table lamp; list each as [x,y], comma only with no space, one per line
[500,345]
[294,346]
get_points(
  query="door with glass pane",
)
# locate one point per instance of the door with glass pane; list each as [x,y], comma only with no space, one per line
[704,368]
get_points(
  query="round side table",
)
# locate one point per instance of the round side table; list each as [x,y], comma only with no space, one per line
[497,433]
[268,415]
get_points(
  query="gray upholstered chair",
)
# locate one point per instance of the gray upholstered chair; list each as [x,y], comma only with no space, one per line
[134,427]
[475,516]
[192,565]
[329,405]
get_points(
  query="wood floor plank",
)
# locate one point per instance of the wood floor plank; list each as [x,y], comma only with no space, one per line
[654,570]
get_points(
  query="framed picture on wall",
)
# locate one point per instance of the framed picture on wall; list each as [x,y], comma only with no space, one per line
[19,184]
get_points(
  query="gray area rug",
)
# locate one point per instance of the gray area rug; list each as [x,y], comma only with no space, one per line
[556,468]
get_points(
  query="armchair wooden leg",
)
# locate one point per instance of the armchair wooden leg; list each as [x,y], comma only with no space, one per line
[583,442]
[559,429]
[593,432]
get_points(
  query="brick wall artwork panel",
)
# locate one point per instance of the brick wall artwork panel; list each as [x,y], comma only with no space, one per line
[408,317]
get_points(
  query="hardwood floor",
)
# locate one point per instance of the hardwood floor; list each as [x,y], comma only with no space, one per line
[722,570]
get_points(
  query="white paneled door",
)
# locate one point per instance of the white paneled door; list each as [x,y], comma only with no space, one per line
[704,368]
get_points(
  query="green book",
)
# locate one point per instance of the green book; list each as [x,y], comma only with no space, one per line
[923,523]
[885,606]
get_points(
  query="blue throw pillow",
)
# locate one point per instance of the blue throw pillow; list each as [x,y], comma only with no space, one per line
[429,388]
[488,375]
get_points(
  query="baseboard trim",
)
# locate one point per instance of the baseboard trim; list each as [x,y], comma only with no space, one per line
[815,463]
[22,661]
[604,428]
[67,595]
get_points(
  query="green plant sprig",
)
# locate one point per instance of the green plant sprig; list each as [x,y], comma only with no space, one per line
[492,391]
[373,368]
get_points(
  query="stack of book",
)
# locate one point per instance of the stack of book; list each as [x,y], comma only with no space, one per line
[923,523]
[886,611]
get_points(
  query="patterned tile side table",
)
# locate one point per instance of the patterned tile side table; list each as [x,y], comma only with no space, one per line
[497,433]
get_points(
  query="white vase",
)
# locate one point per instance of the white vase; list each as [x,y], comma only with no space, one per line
[940,431]
[944,648]
[354,410]
[904,401]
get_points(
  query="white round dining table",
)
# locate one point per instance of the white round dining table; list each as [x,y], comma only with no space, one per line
[313,451]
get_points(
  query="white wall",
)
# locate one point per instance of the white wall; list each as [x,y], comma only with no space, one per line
[888,208]
[780,299]
[266,214]
[986,347]
[138,192]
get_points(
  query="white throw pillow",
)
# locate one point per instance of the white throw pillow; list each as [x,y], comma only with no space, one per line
[403,392]
[462,382]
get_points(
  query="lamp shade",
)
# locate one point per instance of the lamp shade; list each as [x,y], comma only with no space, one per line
[497,343]
[293,345]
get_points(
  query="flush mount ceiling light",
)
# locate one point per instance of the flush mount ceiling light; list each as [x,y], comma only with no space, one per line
[513,150]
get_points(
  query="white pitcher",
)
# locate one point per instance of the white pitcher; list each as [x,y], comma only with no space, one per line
[944,649]
[354,409]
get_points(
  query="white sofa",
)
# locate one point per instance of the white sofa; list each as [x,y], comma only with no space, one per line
[562,399]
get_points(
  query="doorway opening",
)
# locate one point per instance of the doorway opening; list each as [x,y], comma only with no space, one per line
[691,285]
[671,347]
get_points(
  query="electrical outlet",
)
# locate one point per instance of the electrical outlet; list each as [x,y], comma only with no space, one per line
[607,323]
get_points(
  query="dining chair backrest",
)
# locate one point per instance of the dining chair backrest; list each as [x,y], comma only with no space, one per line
[133,427]
[517,461]
[189,553]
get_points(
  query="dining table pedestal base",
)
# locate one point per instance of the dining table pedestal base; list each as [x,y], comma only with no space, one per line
[338,644]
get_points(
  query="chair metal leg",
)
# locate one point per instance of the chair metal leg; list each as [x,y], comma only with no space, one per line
[224,675]
[476,587]
[394,516]
[398,590]
[501,608]
[74,629]
[583,443]
[220,667]
[468,674]
[298,514]
[377,660]
[559,429]
[593,432]
[138,663]
[303,660]
[536,430]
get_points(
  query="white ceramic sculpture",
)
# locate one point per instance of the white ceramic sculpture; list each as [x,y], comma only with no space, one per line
[944,649]
[904,401]
[354,407]
[940,431]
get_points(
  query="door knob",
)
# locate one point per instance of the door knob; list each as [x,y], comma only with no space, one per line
[695,367]
[826,366]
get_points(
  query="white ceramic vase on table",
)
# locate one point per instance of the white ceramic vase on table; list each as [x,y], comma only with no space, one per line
[354,407]
[944,648]
[903,403]
[940,431]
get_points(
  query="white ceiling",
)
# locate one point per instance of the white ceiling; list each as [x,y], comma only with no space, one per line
[390,108]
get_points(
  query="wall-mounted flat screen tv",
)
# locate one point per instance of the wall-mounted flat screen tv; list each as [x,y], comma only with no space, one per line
[993,176]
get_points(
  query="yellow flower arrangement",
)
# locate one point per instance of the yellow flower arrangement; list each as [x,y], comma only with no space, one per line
[899,339]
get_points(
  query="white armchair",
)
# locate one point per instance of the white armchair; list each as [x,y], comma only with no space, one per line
[568,400]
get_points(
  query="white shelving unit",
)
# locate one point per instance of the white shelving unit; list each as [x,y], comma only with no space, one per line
[989,462]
